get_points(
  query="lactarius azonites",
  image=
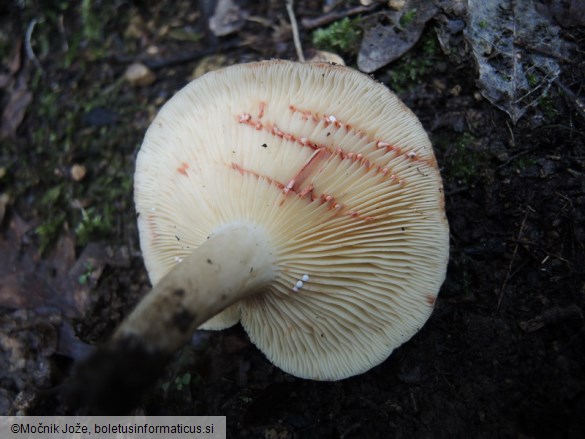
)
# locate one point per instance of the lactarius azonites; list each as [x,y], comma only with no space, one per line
[302,200]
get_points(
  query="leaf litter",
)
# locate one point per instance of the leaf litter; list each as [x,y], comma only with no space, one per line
[19,97]
[42,296]
[390,34]
[515,48]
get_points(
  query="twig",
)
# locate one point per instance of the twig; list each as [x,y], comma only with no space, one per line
[350,430]
[155,64]
[512,139]
[530,92]
[511,159]
[28,45]
[539,247]
[575,100]
[514,253]
[61,27]
[263,21]
[413,399]
[556,126]
[542,50]
[295,29]
[457,191]
[312,23]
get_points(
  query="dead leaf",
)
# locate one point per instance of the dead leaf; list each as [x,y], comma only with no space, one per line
[14,64]
[27,281]
[227,18]
[84,274]
[568,13]
[14,111]
[4,79]
[390,34]
[60,281]
[16,61]
[514,47]
[4,200]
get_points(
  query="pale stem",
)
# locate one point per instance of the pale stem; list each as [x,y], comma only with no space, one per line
[234,263]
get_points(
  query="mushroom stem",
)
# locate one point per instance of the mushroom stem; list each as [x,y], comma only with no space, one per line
[235,262]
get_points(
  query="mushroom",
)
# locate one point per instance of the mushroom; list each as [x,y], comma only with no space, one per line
[303,201]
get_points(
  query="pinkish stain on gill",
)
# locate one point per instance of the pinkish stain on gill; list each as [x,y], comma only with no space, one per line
[331,120]
[321,153]
[183,168]
[319,156]
[312,197]
[262,108]
[247,119]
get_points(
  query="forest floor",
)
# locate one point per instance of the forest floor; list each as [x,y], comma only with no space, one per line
[503,354]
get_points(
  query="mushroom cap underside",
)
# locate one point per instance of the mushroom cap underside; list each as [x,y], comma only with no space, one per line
[343,178]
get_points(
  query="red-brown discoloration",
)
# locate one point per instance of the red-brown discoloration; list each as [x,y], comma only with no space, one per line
[431,300]
[243,171]
[262,108]
[306,142]
[332,121]
[322,153]
[308,169]
[183,168]
[309,190]
[151,222]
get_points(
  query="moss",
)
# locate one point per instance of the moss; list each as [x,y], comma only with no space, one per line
[408,17]
[60,136]
[48,231]
[92,29]
[412,68]
[343,35]
[93,223]
[463,161]
[86,276]
[180,382]
[548,107]
[525,162]
[532,79]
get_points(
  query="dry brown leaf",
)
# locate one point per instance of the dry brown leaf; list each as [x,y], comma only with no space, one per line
[61,281]
[228,18]
[13,65]
[390,34]
[14,111]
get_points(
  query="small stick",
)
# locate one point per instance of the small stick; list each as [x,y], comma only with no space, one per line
[295,30]
[514,253]
[575,100]
[28,45]
[312,23]
[183,58]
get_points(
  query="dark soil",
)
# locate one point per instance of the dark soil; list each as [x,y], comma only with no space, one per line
[503,355]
